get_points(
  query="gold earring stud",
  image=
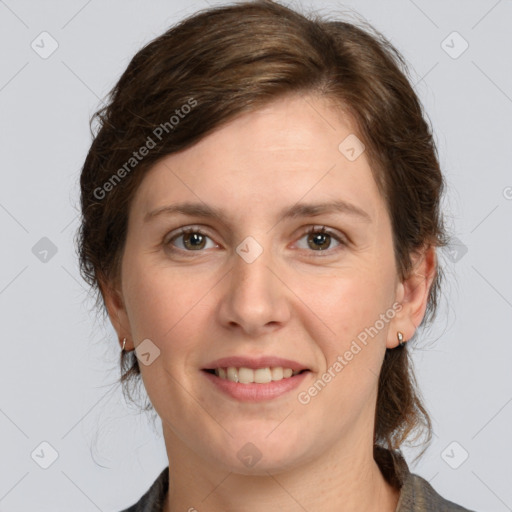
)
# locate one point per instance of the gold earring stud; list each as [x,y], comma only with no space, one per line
[400,337]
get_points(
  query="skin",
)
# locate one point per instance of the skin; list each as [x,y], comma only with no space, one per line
[293,301]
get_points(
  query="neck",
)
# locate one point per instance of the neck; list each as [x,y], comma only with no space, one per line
[345,479]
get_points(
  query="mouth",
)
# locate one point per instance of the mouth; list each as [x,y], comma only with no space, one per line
[255,385]
[250,378]
[244,375]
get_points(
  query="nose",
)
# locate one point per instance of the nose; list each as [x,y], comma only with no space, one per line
[254,299]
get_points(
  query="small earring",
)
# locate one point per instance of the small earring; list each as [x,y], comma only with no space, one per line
[400,337]
[124,344]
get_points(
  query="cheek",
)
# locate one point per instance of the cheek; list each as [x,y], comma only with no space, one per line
[160,300]
[350,302]
[354,351]
[351,306]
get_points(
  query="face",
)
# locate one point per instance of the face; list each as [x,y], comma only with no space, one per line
[255,277]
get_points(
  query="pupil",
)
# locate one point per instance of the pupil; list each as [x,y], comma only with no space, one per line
[195,240]
[320,239]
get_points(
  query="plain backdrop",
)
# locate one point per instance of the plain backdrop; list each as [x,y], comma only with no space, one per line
[60,405]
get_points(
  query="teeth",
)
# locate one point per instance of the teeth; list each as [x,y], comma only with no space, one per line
[260,376]
[277,373]
[232,374]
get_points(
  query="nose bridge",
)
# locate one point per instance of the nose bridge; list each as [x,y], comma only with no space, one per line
[251,276]
[254,297]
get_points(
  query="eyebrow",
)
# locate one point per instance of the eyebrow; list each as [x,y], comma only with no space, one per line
[296,211]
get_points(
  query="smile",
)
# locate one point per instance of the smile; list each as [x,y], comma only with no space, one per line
[245,384]
[260,375]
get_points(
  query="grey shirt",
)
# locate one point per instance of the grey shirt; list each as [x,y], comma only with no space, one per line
[416,494]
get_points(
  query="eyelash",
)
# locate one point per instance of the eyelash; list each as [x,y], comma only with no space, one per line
[314,230]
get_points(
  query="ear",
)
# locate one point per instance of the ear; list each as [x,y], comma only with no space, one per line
[112,296]
[412,294]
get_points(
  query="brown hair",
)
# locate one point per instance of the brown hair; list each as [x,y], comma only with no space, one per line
[228,60]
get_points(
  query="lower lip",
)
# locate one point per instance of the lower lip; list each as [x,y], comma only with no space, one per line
[256,392]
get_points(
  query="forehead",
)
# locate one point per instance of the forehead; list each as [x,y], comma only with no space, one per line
[292,148]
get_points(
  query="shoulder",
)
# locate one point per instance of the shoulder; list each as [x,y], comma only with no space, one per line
[417,495]
[153,499]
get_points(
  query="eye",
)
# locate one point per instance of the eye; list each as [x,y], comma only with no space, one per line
[320,239]
[193,239]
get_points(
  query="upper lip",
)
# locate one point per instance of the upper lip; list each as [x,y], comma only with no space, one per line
[255,363]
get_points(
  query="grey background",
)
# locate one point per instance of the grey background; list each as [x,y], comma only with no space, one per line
[59,372]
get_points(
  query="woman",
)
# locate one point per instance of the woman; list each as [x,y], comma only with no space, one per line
[260,220]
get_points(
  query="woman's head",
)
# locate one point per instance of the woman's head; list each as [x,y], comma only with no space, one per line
[255,109]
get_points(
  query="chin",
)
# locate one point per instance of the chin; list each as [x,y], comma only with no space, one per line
[259,455]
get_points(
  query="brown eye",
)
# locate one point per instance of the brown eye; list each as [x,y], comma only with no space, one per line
[194,241]
[321,239]
[189,240]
